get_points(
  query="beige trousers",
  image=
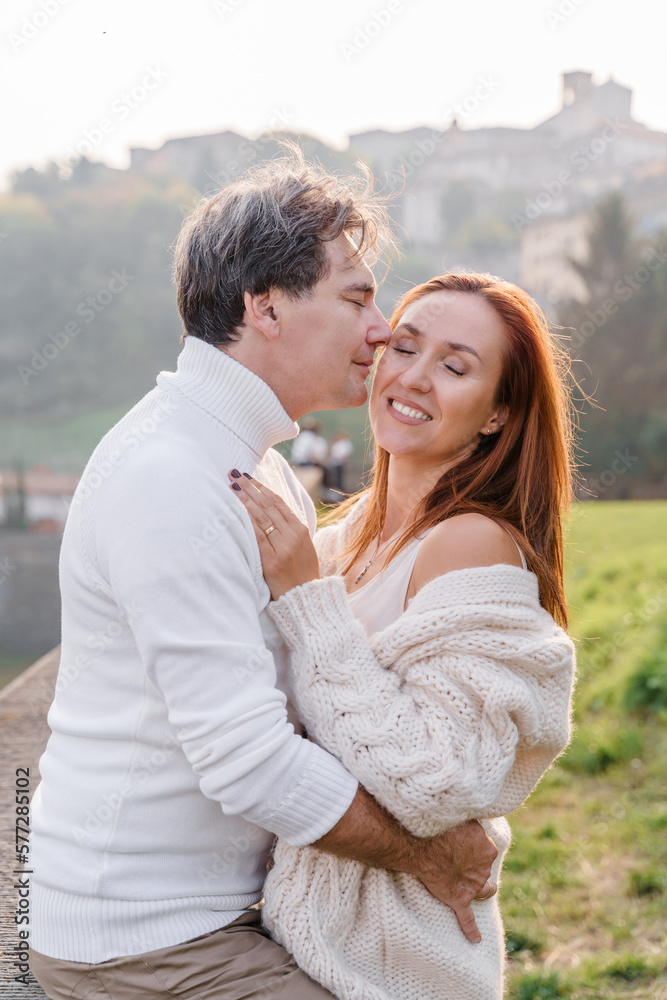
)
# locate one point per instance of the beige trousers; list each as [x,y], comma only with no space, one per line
[238,961]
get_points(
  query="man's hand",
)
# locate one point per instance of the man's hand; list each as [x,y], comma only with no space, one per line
[455,867]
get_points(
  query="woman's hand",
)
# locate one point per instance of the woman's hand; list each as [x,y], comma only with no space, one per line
[285,546]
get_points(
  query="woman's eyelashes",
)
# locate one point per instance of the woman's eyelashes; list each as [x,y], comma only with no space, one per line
[407,351]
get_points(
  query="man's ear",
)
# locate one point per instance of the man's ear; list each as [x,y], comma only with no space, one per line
[260,313]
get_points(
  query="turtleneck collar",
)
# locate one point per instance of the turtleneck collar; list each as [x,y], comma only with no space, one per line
[231,393]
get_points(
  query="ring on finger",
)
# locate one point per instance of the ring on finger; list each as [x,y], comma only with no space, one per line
[267,531]
[487,895]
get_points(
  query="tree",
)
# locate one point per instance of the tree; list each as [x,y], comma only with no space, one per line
[89,313]
[610,246]
[619,344]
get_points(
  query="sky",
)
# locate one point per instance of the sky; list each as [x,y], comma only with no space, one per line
[100,76]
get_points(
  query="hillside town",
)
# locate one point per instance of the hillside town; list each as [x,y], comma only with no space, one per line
[522,193]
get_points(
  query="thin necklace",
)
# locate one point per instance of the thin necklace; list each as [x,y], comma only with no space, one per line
[374,556]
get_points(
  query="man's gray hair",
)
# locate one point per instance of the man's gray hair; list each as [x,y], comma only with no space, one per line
[269,229]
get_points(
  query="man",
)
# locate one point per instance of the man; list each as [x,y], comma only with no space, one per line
[173,759]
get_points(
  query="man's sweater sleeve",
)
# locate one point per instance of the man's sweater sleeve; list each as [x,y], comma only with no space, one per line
[189,571]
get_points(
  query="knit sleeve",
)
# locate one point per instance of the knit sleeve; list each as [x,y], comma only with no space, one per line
[452,713]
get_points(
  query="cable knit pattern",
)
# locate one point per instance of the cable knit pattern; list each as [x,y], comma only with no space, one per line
[452,712]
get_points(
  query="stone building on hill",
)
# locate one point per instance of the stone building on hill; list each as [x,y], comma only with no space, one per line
[537,184]
[510,200]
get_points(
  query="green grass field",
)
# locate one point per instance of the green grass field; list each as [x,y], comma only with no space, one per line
[584,895]
[11,667]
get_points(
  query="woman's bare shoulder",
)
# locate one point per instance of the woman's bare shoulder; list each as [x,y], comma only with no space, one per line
[463,542]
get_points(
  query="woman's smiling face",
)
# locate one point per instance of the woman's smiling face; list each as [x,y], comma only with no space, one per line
[435,386]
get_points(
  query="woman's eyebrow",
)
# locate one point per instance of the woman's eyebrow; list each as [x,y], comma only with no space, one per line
[449,344]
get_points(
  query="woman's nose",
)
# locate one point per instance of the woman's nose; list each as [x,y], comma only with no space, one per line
[416,376]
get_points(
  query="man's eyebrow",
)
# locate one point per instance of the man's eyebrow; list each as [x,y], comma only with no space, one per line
[363,287]
[449,344]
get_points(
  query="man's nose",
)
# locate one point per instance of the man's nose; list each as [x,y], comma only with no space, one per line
[379,331]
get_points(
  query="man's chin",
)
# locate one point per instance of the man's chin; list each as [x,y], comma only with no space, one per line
[357,396]
[353,395]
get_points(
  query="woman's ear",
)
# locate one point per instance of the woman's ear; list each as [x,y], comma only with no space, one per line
[260,313]
[496,422]
[501,417]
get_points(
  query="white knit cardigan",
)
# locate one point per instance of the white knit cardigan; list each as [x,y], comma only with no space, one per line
[453,712]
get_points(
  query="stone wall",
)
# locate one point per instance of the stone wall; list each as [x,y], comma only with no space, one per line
[23,735]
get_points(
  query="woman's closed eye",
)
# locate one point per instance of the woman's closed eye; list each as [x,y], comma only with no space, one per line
[406,351]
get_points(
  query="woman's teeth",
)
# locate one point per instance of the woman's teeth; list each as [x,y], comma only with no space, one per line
[408,412]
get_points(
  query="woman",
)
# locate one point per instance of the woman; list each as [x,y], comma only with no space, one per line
[430,656]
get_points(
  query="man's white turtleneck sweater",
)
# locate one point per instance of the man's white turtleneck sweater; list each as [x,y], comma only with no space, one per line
[172,760]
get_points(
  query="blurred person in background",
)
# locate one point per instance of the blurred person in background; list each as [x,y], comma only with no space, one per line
[309,457]
[341,450]
[309,447]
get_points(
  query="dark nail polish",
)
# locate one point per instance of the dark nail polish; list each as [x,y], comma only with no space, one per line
[235,473]
[235,486]
[247,476]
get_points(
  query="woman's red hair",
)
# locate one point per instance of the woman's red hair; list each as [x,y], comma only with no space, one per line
[521,476]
